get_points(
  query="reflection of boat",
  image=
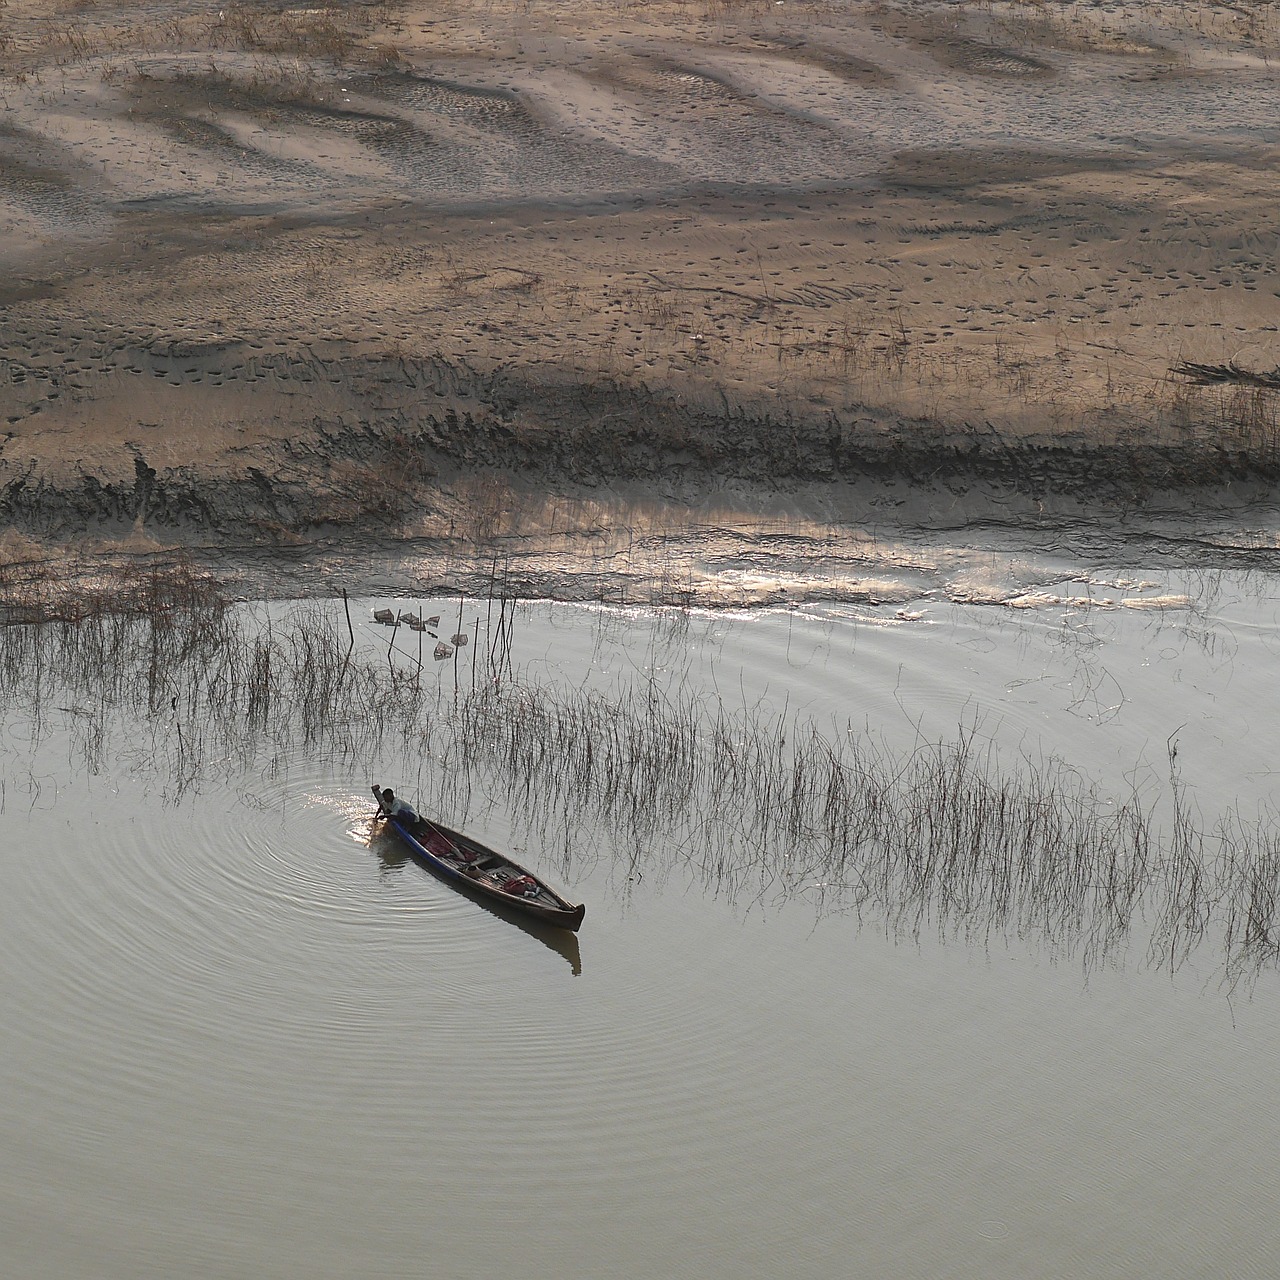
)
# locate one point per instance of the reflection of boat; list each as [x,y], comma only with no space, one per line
[489,875]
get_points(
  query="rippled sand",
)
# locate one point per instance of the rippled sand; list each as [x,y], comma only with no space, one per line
[347,257]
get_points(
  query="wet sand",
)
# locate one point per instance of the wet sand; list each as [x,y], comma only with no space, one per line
[393,269]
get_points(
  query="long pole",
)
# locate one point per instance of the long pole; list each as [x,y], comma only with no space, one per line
[351,631]
[456,634]
[346,604]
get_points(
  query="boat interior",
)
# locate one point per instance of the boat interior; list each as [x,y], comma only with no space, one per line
[479,863]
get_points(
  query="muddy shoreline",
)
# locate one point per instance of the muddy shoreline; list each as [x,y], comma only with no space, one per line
[546,285]
[541,487]
[386,471]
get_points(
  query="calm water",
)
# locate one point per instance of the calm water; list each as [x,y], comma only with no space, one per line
[243,1036]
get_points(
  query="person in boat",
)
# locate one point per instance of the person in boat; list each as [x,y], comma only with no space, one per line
[393,808]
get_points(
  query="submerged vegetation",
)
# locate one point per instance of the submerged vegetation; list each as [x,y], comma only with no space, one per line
[160,670]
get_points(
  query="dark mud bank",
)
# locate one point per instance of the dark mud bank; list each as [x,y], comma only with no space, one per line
[409,431]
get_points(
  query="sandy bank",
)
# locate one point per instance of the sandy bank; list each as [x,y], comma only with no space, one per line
[267,271]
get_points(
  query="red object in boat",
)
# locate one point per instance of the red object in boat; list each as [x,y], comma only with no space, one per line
[523,886]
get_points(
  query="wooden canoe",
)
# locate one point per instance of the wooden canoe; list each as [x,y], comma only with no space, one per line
[470,865]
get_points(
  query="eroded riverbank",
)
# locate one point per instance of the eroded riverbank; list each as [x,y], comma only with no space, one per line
[878,542]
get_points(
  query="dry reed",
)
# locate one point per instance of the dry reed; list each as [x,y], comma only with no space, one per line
[944,839]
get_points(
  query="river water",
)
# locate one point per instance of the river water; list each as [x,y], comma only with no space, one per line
[244,1036]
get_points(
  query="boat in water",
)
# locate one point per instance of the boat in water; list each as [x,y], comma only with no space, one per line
[470,865]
